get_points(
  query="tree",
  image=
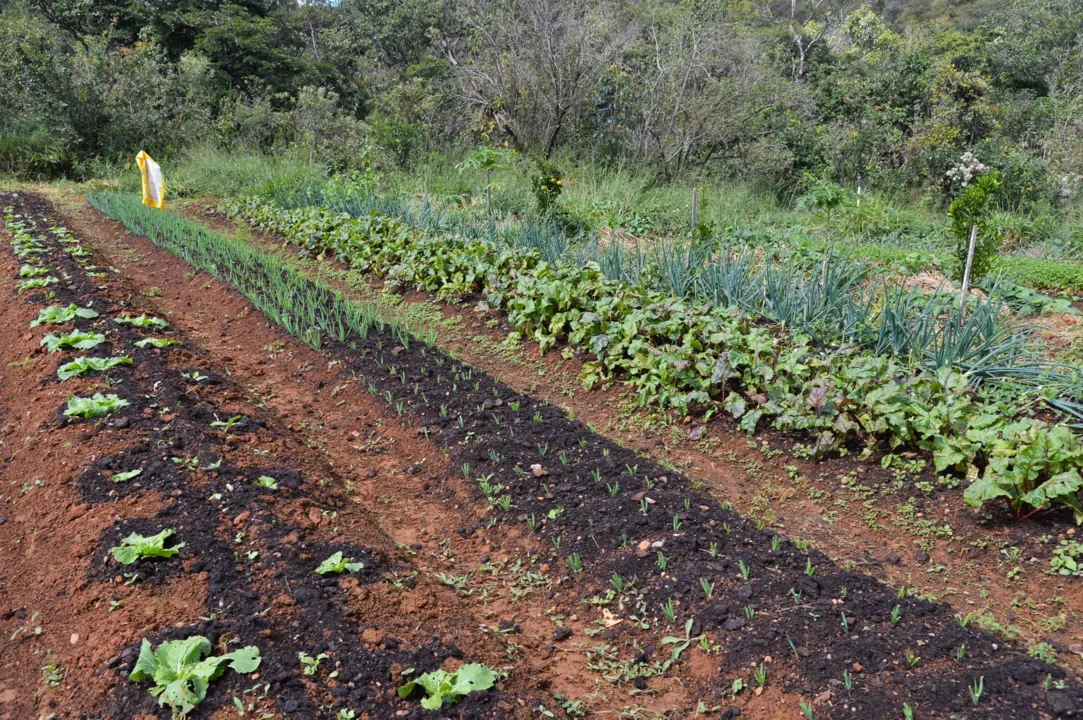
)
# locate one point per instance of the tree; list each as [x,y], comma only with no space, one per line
[529,65]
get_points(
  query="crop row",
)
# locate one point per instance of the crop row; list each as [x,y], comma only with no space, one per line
[685,354]
[180,666]
[647,543]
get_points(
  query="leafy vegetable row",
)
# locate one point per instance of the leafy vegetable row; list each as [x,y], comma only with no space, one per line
[690,356]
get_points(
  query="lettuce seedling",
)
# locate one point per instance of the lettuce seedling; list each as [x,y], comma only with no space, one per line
[181,674]
[56,314]
[126,476]
[156,342]
[94,406]
[143,321]
[35,283]
[83,365]
[76,339]
[136,547]
[31,271]
[442,687]
[268,482]
[338,564]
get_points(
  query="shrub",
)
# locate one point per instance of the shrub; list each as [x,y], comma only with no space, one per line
[970,209]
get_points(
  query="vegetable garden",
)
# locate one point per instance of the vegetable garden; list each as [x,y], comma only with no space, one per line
[472,549]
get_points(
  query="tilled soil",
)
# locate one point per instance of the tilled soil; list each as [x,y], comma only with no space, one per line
[617,540]
[245,573]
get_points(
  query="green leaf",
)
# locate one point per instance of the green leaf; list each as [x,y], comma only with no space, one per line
[984,489]
[441,686]
[94,406]
[126,476]
[337,564]
[179,674]
[143,321]
[156,342]
[76,339]
[56,314]
[135,547]
[83,365]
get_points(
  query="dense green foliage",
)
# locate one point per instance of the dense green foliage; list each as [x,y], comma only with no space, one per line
[714,357]
[782,94]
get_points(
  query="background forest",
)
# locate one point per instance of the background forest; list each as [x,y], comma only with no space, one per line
[775,96]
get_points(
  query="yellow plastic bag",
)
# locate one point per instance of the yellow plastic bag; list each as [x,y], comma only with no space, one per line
[153,181]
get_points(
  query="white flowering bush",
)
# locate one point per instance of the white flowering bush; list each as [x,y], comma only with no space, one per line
[1069,186]
[969,167]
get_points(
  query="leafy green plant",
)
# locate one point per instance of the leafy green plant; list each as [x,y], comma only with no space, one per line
[156,342]
[338,564]
[142,321]
[35,283]
[487,159]
[56,314]
[94,406]
[968,211]
[1038,474]
[136,547]
[547,184]
[266,481]
[181,673]
[83,365]
[442,687]
[76,340]
[309,664]
[126,475]
[1066,558]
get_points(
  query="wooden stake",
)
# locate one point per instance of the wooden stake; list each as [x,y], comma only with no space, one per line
[489,191]
[695,197]
[969,262]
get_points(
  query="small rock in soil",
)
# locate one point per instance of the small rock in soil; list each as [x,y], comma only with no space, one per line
[121,423]
[562,634]
[921,556]
[735,623]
